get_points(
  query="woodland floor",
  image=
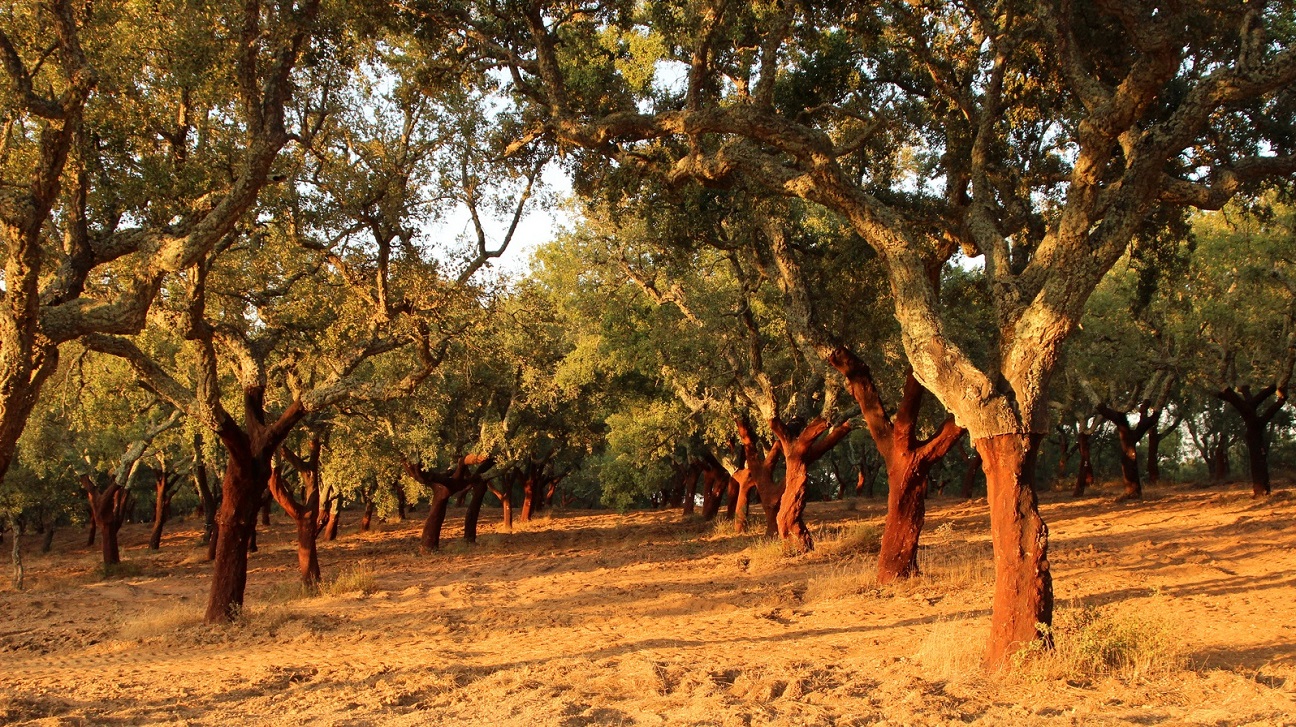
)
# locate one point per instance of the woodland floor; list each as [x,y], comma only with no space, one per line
[599,618]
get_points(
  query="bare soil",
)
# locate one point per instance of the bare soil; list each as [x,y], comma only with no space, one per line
[650,618]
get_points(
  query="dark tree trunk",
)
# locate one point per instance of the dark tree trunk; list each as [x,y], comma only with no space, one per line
[399,489]
[206,497]
[474,512]
[1154,456]
[108,508]
[306,512]
[1085,474]
[1023,598]
[48,541]
[1128,436]
[430,539]
[90,531]
[265,513]
[690,488]
[161,507]
[529,487]
[366,520]
[1256,418]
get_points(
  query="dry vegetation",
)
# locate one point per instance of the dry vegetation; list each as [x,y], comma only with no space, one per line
[1176,610]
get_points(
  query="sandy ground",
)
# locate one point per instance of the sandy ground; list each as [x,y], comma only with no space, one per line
[647,618]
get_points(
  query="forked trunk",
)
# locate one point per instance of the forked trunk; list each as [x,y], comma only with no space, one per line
[1023,598]
[474,512]
[307,553]
[743,504]
[731,489]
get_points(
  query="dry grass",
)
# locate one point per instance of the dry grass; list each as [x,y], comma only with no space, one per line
[1092,643]
[160,622]
[356,578]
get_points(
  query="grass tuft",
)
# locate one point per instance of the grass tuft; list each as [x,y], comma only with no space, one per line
[355,578]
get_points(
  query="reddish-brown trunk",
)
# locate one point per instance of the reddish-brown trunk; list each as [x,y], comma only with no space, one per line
[161,507]
[906,512]
[505,497]
[800,450]
[474,512]
[334,521]
[430,540]
[108,510]
[366,520]
[528,499]
[1085,474]
[1128,436]
[265,513]
[908,459]
[90,532]
[305,513]
[235,522]
[1023,598]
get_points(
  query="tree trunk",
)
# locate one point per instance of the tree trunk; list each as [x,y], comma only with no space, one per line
[206,497]
[90,531]
[690,490]
[47,543]
[265,513]
[235,523]
[1257,444]
[431,537]
[401,503]
[790,517]
[366,520]
[1023,598]
[307,553]
[1128,451]
[1085,474]
[19,572]
[906,511]
[474,512]
[528,499]
[1219,461]
[505,497]
[335,519]
[1153,456]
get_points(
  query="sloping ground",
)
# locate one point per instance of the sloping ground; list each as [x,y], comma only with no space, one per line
[595,618]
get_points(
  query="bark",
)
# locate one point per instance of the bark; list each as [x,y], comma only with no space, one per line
[108,508]
[1085,474]
[474,512]
[467,473]
[715,480]
[691,478]
[304,512]
[47,542]
[206,497]
[1155,435]
[908,459]
[335,518]
[366,519]
[800,450]
[505,497]
[757,473]
[90,530]
[165,490]
[1256,417]
[401,503]
[19,572]
[1023,597]
[1128,436]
